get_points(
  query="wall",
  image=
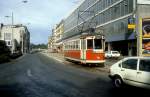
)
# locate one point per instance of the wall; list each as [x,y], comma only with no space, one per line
[142,12]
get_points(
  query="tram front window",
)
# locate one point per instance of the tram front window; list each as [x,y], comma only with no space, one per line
[90,44]
[97,44]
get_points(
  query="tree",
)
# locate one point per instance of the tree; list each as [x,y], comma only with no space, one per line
[4,52]
[37,46]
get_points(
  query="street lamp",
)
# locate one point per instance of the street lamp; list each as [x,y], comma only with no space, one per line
[12,23]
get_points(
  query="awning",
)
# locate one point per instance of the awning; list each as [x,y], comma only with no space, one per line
[120,37]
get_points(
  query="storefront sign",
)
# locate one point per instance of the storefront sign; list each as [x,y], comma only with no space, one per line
[131,26]
[146,37]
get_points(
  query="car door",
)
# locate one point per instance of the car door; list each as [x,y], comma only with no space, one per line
[143,73]
[83,49]
[129,70]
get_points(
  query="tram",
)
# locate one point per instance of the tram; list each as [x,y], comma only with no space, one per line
[85,49]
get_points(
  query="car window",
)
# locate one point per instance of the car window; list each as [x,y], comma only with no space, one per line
[130,64]
[144,65]
[115,52]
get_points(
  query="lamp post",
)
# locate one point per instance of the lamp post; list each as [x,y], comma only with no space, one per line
[12,23]
[12,26]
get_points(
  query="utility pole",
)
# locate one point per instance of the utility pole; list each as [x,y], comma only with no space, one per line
[12,18]
[12,24]
[12,29]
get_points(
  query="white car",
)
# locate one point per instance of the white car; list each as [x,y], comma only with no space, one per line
[133,71]
[112,54]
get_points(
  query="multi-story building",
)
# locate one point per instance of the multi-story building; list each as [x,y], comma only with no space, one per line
[59,30]
[50,43]
[55,43]
[17,38]
[117,20]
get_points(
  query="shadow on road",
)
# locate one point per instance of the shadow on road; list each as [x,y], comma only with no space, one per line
[130,92]
[102,88]
[9,91]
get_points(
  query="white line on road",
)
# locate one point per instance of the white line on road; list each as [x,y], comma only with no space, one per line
[29,73]
[58,60]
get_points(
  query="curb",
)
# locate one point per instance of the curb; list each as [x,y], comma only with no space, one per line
[61,59]
[103,69]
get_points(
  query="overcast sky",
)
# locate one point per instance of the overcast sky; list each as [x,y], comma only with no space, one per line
[39,15]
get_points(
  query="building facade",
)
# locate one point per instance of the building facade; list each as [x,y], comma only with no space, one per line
[50,44]
[17,38]
[55,43]
[59,30]
[116,19]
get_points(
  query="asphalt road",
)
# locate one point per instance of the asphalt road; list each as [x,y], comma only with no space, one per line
[36,75]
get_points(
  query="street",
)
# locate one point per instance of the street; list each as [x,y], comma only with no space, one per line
[36,75]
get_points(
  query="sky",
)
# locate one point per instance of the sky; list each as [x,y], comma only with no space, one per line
[40,16]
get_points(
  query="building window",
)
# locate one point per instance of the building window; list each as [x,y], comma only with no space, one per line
[8,43]
[7,36]
[130,6]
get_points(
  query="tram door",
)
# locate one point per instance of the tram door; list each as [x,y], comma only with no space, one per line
[83,49]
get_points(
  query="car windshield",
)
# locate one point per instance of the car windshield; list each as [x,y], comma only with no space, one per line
[94,44]
[97,44]
[90,44]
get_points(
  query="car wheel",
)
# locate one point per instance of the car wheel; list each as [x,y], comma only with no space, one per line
[117,82]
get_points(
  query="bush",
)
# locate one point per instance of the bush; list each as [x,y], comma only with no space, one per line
[4,58]
[4,52]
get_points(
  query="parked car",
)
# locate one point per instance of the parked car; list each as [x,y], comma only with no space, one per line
[112,54]
[133,71]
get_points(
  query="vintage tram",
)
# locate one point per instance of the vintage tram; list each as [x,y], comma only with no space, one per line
[86,49]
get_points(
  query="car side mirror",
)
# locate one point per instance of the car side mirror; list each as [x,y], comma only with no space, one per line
[120,65]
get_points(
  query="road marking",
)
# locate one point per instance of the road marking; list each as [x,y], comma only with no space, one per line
[59,60]
[29,73]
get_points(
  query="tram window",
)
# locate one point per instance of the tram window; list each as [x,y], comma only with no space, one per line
[78,47]
[98,43]
[83,44]
[90,44]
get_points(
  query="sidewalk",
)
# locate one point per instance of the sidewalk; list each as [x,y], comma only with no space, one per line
[57,56]
[60,57]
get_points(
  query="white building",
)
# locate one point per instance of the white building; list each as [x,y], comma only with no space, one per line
[55,43]
[17,37]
